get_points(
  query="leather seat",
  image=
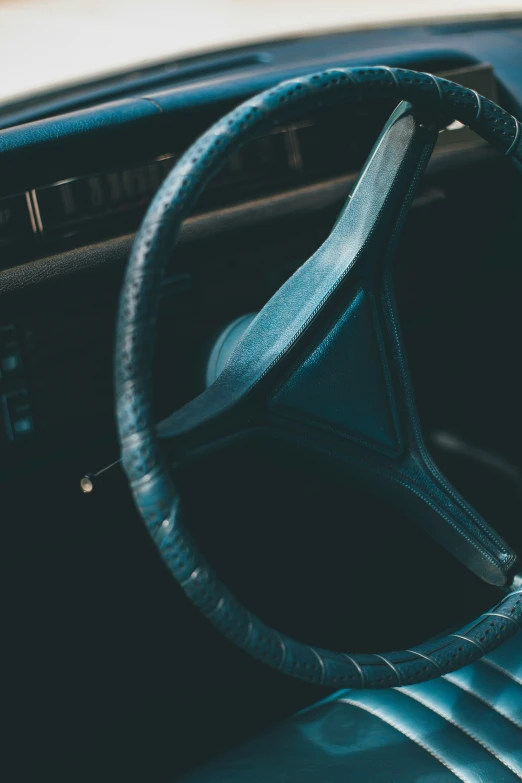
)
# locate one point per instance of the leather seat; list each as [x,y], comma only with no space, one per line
[464,726]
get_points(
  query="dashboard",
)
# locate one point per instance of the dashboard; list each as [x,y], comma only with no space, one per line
[332,145]
[79,172]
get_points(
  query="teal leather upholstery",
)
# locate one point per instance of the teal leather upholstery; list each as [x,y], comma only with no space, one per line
[464,726]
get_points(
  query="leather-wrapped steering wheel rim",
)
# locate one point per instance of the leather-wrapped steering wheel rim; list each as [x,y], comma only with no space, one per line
[149,477]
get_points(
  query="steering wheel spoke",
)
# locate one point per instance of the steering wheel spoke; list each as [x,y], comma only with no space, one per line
[342,276]
[350,400]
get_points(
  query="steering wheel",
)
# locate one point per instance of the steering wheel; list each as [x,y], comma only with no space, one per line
[322,367]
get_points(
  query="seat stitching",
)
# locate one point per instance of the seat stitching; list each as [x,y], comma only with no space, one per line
[502,670]
[406,733]
[469,733]
[481,698]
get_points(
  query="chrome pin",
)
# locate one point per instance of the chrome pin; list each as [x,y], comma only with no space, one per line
[87,481]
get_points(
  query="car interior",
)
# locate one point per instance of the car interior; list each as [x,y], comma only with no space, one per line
[280,282]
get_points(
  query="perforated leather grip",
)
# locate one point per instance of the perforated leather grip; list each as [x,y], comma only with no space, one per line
[152,486]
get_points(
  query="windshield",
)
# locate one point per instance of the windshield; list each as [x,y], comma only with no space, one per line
[48,43]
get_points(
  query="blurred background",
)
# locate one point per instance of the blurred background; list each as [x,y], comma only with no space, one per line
[51,42]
